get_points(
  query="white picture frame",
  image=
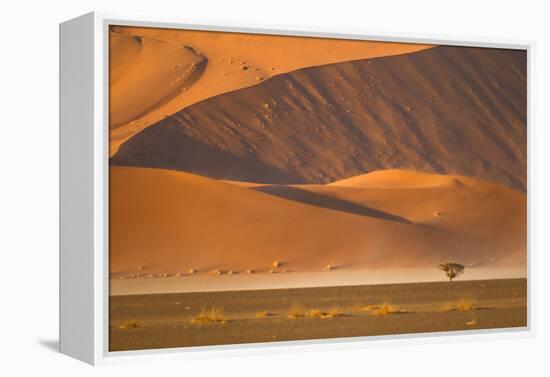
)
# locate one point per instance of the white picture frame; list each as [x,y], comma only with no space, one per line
[84,200]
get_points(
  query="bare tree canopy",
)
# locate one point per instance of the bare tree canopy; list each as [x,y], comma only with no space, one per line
[452,269]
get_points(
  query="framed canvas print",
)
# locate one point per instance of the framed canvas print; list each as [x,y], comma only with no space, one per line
[224,187]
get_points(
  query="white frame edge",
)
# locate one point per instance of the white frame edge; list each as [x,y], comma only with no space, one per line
[84,207]
[76,179]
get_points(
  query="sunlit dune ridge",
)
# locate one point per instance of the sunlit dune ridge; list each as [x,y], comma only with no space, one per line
[156,72]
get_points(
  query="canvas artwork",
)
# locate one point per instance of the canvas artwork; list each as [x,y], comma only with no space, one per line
[267,188]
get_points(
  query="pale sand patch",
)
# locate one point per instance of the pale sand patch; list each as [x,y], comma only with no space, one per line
[207,283]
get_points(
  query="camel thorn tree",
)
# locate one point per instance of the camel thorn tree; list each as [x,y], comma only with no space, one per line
[451,269]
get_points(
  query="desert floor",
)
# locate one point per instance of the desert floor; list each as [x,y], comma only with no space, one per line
[175,320]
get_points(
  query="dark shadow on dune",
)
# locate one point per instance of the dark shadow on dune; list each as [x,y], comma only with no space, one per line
[167,146]
[312,198]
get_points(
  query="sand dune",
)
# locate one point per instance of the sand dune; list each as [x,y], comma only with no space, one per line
[394,178]
[235,61]
[447,110]
[146,73]
[170,222]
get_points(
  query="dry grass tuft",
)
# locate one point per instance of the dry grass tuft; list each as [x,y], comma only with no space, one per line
[264,314]
[359,307]
[315,313]
[335,311]
[330,313]
[210,315]
[130,324]
[382,309]
[464,304]
[385,309]
[296,311]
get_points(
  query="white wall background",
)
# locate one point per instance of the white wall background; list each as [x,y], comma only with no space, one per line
[29,185]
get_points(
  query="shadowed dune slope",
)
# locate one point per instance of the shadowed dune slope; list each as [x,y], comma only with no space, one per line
[451,110]
[171,221]
[235,61]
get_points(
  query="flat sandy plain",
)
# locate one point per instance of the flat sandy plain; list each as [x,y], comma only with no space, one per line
[173,320]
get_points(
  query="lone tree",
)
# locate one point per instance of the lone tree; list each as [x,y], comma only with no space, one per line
[452,270]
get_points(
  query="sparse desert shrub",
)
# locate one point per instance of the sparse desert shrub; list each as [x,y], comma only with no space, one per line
[276,264]
[213,314]
[129,324]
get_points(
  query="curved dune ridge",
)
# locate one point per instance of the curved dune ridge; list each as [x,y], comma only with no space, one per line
[170,222]
[446,110]
[394,178]
[235,61]
[146,73]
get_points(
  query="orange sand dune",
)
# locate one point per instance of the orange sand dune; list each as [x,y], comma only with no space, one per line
[227,61]
[447,110]
[168,222]
[146,73]
[394,178]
